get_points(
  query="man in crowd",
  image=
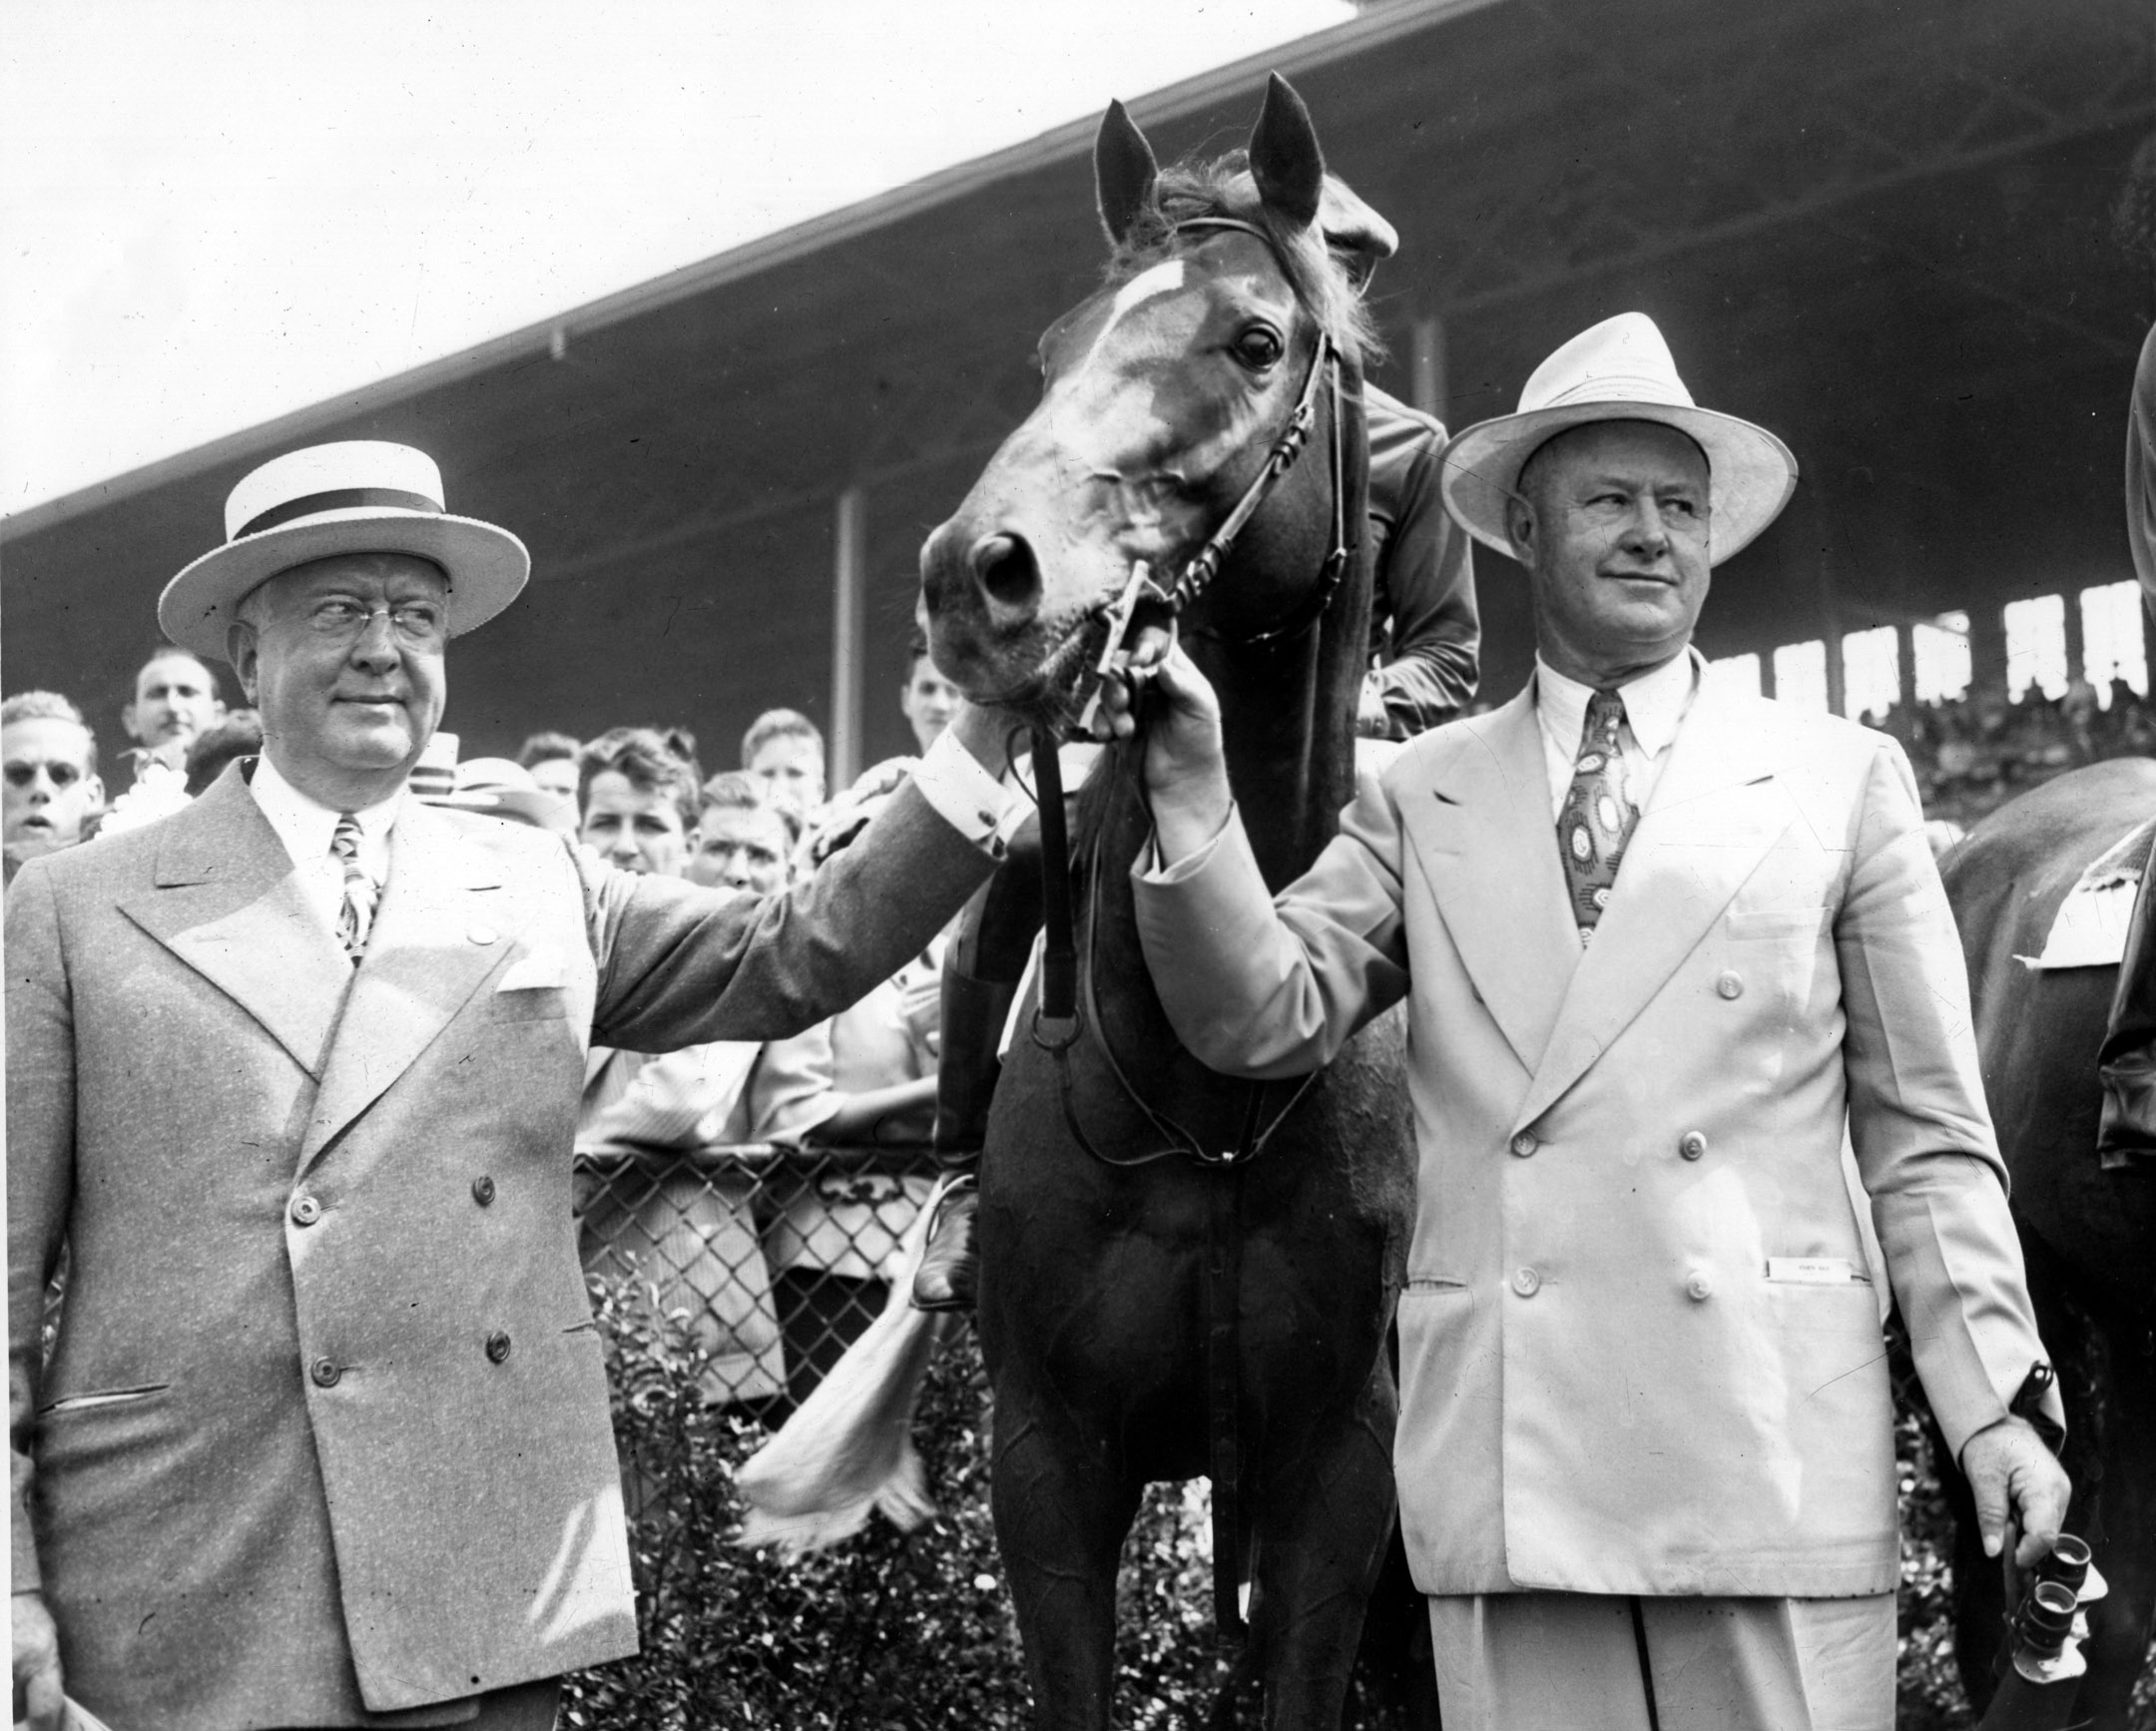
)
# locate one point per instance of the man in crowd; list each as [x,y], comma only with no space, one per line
[784,750]
[927,699]
[48,756]
[1659,943]
[176,698]
[552,760]
[324,1435]
[638,804]
[743,836]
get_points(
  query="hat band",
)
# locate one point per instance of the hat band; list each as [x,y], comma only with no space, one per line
[338,499]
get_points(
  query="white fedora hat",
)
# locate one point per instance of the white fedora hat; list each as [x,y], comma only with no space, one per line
[1620,370]
[356,497]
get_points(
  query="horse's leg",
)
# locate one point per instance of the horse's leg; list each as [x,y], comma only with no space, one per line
[2120,1627]
[1062,1507]
[1323,1522]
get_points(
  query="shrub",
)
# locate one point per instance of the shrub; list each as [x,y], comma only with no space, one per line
[898,1632]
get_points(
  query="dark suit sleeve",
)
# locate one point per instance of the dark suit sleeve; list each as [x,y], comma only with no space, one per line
[679,964]
[1429,656]
[40,1166]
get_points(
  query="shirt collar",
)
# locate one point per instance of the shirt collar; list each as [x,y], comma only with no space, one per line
[1654,703]
[305,825]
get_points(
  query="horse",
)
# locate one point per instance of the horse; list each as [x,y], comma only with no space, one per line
[2089,1235]
[1183,1273]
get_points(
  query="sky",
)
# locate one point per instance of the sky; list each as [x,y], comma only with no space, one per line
[214,212]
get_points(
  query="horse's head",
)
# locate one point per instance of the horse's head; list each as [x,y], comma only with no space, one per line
[1163,396]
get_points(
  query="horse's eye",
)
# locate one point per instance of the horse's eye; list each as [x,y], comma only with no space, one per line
[1257,348]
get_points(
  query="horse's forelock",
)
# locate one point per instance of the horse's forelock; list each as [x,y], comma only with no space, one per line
[1224,187]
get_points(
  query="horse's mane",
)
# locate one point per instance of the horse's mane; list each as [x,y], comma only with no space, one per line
[1224,187]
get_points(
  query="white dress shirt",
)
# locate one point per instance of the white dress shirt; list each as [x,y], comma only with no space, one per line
[304,827]
[1654,705]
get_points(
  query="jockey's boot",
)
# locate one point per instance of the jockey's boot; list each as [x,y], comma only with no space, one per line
[2126,1133]
[974,1011]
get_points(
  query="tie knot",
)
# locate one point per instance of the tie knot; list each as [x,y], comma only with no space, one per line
[1605,713]
[344,839]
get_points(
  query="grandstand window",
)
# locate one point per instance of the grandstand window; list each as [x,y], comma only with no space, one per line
[2036,646]
[1871,671]
[1942,653]
[2112,646]
[1800,674]
[1738,672]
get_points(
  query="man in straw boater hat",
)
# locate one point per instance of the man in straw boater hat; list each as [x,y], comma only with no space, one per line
[1660,939]
[322,1438]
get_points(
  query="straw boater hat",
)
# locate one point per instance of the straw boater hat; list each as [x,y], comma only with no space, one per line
[494,786]
[1620,370]
[356,496]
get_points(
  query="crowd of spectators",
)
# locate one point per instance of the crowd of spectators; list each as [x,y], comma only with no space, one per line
[1974,753]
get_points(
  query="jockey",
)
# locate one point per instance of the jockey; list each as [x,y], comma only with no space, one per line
[2127,1135]
[1425,637]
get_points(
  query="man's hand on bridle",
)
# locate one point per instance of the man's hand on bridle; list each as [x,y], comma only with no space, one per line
[1158,691]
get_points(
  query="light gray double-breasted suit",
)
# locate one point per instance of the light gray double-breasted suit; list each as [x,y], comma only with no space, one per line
[325,1427]
[1639,1350]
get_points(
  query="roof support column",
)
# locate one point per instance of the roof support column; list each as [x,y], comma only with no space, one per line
[849,635]
[1427,344]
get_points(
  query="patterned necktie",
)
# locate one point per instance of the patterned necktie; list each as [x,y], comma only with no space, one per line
[1597,820]
[357,918]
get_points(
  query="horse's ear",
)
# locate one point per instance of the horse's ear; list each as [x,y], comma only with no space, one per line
[1284,155]
[1123,171]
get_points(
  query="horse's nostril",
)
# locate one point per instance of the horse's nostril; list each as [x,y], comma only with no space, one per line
[1008,574]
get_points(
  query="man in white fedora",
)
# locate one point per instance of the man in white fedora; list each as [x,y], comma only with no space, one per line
[1659,941]
[322,1438]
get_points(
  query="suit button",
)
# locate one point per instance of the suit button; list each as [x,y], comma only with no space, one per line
[1526,1281]
[1729,985]
[498,1347]
[1692,1145]
[325,1373]
[1524,1144]
[482,934]
[483,1190]
[1699,1289]
[305,1211]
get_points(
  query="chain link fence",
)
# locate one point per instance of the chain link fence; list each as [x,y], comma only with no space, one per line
[778,1257]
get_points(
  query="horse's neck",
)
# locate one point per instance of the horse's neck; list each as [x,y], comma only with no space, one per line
[1288,735]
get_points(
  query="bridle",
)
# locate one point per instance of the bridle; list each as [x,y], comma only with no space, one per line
[1204,566]
[1059,1019]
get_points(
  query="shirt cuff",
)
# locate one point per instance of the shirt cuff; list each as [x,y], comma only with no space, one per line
[967,796]
[1149,870]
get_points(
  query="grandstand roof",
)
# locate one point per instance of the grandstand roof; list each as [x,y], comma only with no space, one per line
[1882,232]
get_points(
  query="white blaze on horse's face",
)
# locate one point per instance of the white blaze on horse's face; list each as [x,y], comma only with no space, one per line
[1160,399]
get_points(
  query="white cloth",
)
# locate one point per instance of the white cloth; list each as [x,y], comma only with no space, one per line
[967,796]
[1654,704]
[304,827]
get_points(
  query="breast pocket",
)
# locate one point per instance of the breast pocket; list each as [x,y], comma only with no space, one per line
[534,1003]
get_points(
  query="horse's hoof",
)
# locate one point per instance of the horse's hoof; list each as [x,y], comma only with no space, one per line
[948,1278]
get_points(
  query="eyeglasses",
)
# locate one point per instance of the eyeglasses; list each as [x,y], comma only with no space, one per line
[416,623]
[62,775]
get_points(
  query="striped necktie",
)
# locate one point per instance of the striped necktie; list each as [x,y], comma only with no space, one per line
[357,918]
[1597,820]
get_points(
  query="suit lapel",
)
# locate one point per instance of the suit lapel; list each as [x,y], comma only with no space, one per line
[1714,814]
[227,903]
[443,925]
[1490,846]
